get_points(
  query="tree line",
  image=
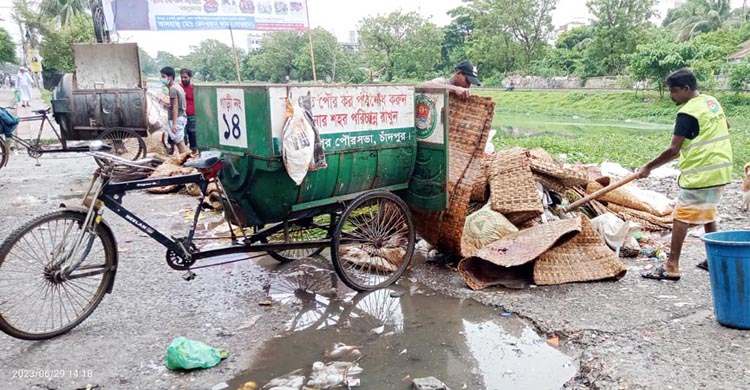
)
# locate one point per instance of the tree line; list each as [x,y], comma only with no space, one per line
[503,37]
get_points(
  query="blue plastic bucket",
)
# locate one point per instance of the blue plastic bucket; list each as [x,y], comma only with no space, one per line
[729,265]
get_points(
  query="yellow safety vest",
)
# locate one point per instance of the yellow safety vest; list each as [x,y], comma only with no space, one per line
[706,161]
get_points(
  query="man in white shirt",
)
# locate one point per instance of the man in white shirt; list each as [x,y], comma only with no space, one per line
[459,83]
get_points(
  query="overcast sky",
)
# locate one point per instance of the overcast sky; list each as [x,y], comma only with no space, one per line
[337,16]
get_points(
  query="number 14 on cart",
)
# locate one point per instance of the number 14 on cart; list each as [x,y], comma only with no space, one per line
[231,117]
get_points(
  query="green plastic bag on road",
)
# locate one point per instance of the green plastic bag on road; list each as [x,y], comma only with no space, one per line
[185,354]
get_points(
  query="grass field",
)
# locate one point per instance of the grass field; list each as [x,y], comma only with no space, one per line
[592,127]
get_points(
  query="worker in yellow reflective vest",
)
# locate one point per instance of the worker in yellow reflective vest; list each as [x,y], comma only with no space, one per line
[701,141]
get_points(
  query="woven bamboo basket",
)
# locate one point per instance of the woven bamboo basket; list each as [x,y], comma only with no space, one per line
[469,125]
[480,188]
[550,183]
[647,220]
[541,154]
[568,176]
[512,187]
[584,258]
[526,245]
[621,196]
[480,274]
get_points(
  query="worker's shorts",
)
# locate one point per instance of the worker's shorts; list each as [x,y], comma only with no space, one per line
[179,135]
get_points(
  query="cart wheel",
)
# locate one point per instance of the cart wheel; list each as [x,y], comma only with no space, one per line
[122,143]
[316,228]
[4,152]
[373,242]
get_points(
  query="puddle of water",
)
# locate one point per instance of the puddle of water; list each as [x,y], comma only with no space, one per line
[404,332]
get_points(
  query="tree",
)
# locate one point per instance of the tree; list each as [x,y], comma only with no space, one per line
[277,50]
[575,37]
[701,16]
[739,77]
[165,58]
[211,60]
[285,48]
[385,38]
[529,21]
[652,62]
[55,46]
[7,47]
[455,37]
[148,64]
[63,10]
[617,25]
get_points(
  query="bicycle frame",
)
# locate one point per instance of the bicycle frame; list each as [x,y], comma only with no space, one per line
[111,195]
[33,145]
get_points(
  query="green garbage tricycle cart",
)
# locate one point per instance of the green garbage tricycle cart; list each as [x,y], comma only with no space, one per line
[385,148]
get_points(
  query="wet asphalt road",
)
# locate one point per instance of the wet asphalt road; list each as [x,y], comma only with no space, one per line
[629,334]
[122,345]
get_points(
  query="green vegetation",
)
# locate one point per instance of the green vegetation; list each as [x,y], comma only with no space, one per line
[7,47]
[591,127]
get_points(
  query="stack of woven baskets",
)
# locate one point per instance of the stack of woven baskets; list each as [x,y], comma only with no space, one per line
[546,249]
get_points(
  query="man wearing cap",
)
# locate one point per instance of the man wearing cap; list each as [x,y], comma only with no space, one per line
[459,83]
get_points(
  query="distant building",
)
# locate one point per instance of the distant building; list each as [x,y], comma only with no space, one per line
[352,44]
[253,40]
[579,22]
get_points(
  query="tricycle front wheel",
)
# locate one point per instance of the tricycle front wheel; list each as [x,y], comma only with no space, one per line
[373,242]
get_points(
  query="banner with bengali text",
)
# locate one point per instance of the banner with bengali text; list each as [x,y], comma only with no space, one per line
[263,15]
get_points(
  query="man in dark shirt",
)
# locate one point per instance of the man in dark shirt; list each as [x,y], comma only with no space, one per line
[686,126]
[186,75]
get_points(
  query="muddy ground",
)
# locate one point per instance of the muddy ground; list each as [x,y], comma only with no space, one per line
[628,334]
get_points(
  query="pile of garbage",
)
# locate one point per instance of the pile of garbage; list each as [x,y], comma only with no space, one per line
[507,217]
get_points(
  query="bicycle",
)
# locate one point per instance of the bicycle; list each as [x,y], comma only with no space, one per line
[118,141]
[75,250]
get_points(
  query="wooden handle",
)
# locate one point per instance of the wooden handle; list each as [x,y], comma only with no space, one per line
[601,192]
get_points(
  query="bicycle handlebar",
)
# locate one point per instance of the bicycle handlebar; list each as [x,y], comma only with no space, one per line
[121,161]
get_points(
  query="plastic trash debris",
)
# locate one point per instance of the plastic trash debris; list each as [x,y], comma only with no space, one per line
[220,386]
[341,351]
[334,374]
[506,314]
[265,303]
[554,341]
[186,354]
[379,330]
[617,233]
[249,386]
[291,381]
[428,383]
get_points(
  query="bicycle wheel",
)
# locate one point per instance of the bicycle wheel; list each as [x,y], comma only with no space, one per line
[122,143]
[373,242]
[36,301]
[4,152]
[316,228]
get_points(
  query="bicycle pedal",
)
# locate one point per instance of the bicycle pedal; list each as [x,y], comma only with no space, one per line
[188,276]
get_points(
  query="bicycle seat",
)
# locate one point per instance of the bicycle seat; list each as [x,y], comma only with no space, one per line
[205,161]
[41,111]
